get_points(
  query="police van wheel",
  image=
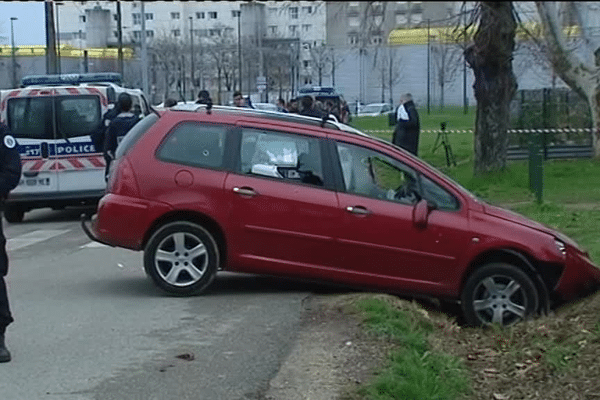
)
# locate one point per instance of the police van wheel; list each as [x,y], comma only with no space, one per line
[14,214]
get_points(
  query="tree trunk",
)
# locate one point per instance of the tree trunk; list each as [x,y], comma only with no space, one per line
[490,57]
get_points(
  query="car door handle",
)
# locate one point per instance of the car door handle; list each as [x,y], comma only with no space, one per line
[245,191]
[358,210]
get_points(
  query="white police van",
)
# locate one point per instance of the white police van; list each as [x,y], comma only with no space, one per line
[52,118]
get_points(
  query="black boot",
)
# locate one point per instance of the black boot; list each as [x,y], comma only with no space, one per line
[4,353]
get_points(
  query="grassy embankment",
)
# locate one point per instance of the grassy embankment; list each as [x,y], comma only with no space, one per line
[550,357]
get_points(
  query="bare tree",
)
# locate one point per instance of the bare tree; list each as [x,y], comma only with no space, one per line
[222,52]
[321,60]
[580,74]
[166,52]
[389,69]
[490,56]
[447,56]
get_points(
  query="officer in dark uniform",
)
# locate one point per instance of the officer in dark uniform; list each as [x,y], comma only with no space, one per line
[10,174]
[118,127]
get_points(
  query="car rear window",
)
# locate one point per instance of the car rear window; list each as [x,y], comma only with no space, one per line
[135,134]
[31,117]
[195,144]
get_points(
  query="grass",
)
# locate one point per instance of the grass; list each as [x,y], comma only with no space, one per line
[552,357]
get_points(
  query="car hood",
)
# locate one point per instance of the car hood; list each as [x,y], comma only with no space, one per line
[517,218]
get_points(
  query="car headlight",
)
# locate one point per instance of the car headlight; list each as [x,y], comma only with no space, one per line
[560,245]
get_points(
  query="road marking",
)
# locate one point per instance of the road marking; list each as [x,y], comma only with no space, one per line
[92,245]
[32,237]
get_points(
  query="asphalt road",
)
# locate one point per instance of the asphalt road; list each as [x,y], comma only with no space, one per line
[90,325]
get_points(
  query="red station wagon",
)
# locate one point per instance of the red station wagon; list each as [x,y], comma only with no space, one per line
[201,190]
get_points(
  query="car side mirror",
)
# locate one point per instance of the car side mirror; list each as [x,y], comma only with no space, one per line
[421,212]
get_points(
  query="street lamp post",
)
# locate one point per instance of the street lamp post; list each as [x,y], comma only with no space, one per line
[14,59]
[239,16]
[193,85]
[58,35]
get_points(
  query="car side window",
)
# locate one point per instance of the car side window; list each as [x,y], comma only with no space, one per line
[368,173]
[194,144]
[281,155]
[442,198]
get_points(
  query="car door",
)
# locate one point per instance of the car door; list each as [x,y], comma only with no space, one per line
[284,211]
[30,117]
[80,166]
[378,239]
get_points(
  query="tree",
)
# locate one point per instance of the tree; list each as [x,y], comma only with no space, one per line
[389,69]
[166,52]
[490,57]
[447,57]
[321,60]
[581,75]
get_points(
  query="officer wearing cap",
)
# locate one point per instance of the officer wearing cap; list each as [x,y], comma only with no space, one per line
[10,174]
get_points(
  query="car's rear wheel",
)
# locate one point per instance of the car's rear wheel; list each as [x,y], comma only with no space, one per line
[499,293]
[14,214]
[182,258]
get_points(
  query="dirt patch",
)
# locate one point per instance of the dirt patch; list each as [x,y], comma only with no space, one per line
[332,356]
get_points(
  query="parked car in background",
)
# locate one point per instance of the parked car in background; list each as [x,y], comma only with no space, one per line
[375,109]
[265,106]
[244,190]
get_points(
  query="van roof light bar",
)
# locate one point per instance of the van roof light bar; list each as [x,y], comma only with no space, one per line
[71,79]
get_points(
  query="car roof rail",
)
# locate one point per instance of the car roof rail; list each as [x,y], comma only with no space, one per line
[274,115]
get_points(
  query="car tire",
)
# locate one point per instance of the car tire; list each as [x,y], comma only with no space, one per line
[498,293]
[14,214]
[182,258]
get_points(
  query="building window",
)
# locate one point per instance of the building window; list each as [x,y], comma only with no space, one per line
[272,10]
[307,80]
[377,39]
[149,16]
[401,19]
[294,12]
[354,22]
[149,34]
[235,13]
[176,32]
[175,15]
[137,35]
[116,34]
[212,14]
[273,29]
[294,30]
[353,39]
[306,27]
[307,10]
[115,17]
[137,18]
[416,18]
[306,63]
[82,18]
[200,15]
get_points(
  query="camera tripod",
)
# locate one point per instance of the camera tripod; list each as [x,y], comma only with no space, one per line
[442,139]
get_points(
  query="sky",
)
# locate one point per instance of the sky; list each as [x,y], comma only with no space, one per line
[29,29]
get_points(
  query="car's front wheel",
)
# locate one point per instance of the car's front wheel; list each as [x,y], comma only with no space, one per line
[499,293]
[182,258]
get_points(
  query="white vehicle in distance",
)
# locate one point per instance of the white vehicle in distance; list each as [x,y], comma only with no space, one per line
[375,109]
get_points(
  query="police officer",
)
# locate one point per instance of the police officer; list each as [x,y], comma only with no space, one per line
[10,174]
[118,127]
